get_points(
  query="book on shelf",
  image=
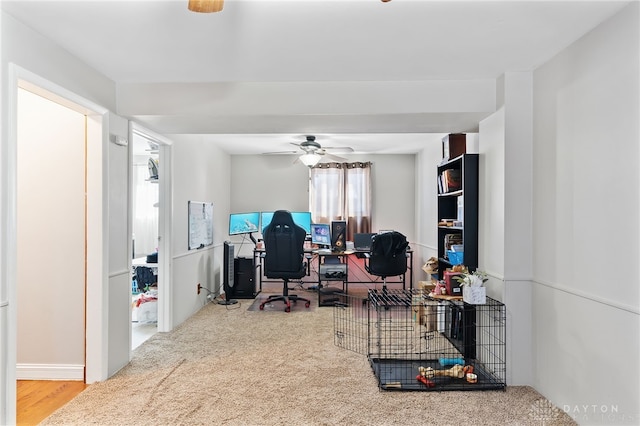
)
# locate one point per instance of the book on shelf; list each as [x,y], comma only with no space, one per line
[451,180]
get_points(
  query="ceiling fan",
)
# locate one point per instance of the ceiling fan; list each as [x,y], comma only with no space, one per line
[313,152]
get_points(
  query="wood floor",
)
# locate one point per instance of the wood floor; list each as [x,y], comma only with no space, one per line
[37,399]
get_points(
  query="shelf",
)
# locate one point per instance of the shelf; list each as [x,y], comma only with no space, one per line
[451,194]
[462,203]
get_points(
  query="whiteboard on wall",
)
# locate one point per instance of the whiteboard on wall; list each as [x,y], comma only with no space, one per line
[200,224]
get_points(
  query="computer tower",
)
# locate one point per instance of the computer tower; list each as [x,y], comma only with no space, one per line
[244,278]
[338,235]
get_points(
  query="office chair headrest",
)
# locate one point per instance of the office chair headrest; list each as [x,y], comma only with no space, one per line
[282,217]
[391,243]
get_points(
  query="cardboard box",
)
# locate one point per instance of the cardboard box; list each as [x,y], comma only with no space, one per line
[426,286]
[454,145]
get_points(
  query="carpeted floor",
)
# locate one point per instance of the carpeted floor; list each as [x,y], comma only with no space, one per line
[229,365]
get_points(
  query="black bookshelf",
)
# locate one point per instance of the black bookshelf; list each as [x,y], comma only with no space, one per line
[466,166]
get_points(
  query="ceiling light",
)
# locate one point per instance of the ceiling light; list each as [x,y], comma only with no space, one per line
[206,6]
[310,159]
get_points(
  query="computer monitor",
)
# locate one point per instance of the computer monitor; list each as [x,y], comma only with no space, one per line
[299,218]
[244,223]
[321,234]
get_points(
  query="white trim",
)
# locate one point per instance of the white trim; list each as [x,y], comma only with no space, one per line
[192,252]
[119,273]
[423,245]
[50,372]
[628,308]
[597,299]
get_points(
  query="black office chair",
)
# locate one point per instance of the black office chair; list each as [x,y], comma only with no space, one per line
[388,256]
[284,256]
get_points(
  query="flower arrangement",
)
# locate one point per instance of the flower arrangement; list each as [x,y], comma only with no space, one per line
[475,279]
[472,290]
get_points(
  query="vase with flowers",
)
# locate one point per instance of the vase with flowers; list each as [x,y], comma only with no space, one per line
[473,290]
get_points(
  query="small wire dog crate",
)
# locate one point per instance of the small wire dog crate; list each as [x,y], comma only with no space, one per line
[416,342]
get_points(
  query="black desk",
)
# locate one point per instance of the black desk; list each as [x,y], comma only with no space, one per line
[316,255]
[258,256]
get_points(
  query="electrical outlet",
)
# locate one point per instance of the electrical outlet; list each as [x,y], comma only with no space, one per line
[199,288]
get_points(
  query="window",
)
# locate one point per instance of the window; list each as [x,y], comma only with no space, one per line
[341,191]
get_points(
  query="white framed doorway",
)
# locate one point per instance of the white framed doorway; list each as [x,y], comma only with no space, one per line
[93,364]
[164,179]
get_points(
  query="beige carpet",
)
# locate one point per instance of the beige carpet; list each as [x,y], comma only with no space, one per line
[230,366]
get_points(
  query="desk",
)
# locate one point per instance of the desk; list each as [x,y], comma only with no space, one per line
[347,257]
[258,256]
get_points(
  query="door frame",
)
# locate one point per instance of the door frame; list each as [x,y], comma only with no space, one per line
[97,274]
[165,167]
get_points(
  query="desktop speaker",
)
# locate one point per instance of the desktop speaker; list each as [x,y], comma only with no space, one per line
[338,235]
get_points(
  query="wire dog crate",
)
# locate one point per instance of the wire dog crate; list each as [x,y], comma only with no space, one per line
[415,342]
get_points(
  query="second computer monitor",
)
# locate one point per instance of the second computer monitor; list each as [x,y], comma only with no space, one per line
[321,234]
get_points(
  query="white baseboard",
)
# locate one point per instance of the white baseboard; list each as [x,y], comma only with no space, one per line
[49,372]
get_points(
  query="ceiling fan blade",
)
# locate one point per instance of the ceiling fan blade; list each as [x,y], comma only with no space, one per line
[334,158]
[281,153]
[342,149]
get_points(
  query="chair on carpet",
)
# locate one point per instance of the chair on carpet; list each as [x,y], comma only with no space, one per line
[388,256]
[284,256]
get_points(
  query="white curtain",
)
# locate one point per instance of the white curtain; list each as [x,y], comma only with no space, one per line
[145,212]
[326,193]
[341,191]
[358,198]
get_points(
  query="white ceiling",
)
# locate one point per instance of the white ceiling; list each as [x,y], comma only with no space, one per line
[317,41]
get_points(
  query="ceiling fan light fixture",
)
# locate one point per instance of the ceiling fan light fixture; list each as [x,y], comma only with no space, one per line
[205,6]
[310,159]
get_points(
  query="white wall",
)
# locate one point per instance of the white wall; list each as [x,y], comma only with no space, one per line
[201,172]
[119,299]
[426,219]
[271,182]
[586,228]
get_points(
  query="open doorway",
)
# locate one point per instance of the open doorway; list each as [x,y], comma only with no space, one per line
[51,233]
[152,235]
[145,241]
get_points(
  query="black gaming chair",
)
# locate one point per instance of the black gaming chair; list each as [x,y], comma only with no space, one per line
[284,255]
[388,256]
